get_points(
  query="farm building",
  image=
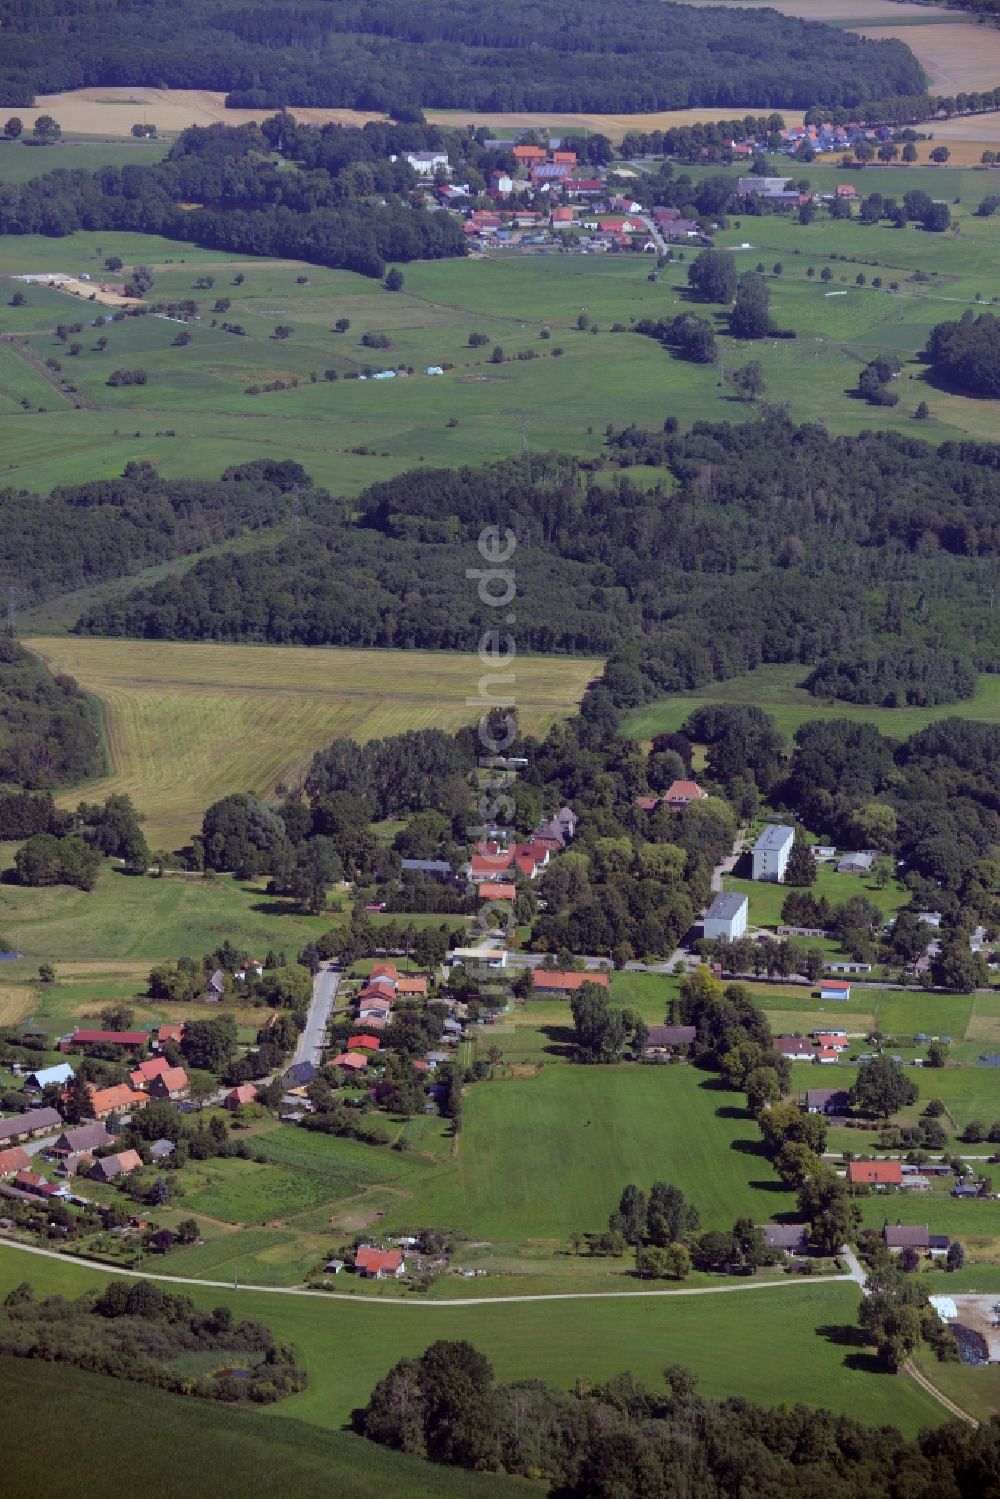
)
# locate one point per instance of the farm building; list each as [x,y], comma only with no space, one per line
[834,989]
[378,1264]
[770,853]
[726,917]
[127,1040]
[109,1167]
[557,981]
[875,1173]
[857,863]
[490,957]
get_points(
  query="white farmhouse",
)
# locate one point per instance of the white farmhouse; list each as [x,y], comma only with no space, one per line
[770,853]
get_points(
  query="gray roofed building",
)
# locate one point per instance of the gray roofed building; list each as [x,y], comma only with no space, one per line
[907,1236]
[726,917]
[671,1035]
[828,1101]
[857,863]
[84,1137]
[44,1077]
[771,851]
[790,1238]
[160,1149]
[299,1074]
[25,1126]
[438,869]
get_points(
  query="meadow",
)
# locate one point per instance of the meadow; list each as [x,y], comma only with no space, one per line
[346,1348]
[186,724]
[196,414]
[776,690]
[19,161]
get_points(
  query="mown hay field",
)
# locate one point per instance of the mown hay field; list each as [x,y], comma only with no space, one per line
[186,724]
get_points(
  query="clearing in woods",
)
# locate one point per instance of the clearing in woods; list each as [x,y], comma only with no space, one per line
[186,724]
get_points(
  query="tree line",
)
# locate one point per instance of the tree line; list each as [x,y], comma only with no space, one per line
[620,1440]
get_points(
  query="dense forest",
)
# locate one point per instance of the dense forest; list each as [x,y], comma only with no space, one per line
[414,54]
[879,545]
[967,353]
[334,215]
[620,1440]
[48,728]
[88,533]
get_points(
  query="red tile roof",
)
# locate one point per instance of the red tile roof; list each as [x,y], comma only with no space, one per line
[549,978]
[354,1061]
[363,1043]
[875,1173]
[245,1093]
[174,1080]
[13,1159]
[111,1038]
[497,890]
[685,791]
[146,1071]
[373,1260]
[119,1097]
[412,986]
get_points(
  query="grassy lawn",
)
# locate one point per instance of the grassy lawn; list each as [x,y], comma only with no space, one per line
[20,162]
[138,920]
[540,1158]
[247,1192]
[185,724]
[776,690]
[766,899]
[721,1337]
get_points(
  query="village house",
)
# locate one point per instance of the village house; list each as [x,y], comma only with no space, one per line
[827,1101]
[826,1056]
[726,917]
[237,1097]
[215,988]
[832,1040]
[670,1037]
[118,1099]
[432,869]
[794,1048]
[82,1139]
[875,1173]
[501,184]
[497,890]
[174,1033]
[35,1184]
[786,1238]
[13,1160]
[379,1264]
[680,794]
[413,987]
[771,852]
[488,957]
[429,163]
[351,1061]
[28,1126]
[161,1149]
[363,1042]
[528,156]
[143,1075]
[109,1167]
[917,1236]
[171,1084]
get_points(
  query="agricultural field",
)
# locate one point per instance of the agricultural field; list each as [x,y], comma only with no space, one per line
[719,1336]
[186,724]
[776,690]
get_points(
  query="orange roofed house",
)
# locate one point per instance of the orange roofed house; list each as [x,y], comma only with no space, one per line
[146,1071]
[875,1173]
[170,1084]
[119,1099]
[378,1264]
[528,156]
[237,1097]
[412,986]
[557,981]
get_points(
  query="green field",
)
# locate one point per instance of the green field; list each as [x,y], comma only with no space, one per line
[346,1348]
[186,724]
[19,162]
[195,415]
[213,1450]
[776,690]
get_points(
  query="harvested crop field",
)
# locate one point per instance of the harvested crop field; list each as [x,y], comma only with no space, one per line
[113,112]
[186,724]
